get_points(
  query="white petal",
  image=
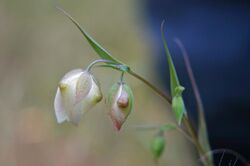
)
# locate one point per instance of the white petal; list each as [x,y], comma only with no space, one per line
[71,75]
[76,96]
[91,98]
[95,95]
[59,108]
[116,110]
[83,86]
[68,92]
[85,104]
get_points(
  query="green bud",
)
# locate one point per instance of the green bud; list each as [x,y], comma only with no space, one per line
[179,90]
[121,101]
[158,145]
[178,105]
[178,108]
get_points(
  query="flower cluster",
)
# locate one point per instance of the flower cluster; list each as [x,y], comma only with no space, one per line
[78,91]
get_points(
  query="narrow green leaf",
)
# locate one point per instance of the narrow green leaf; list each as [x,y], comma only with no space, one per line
[176,89]
[96,46]
[174,81]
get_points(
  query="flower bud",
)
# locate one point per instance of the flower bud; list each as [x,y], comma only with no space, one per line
[77,92]
[121,101]
[158,145]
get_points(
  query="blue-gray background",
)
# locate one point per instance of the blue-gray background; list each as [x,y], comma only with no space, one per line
[216,35]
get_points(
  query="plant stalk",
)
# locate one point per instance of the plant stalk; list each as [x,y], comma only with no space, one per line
[194,136]
[187,123]
[165,96]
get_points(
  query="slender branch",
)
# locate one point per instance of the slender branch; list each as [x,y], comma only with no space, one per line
[186,135]
[193,134]
[166,97]
[122,77]
[154,127]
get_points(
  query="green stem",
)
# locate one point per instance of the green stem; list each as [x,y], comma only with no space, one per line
[166,97]
[191,131]
[194,136]
[98,61]
[189,126]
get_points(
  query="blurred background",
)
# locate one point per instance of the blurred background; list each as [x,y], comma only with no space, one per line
[217,38]
[38,45]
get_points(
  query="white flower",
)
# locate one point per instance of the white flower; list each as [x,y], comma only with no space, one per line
[121,101]
[77,92]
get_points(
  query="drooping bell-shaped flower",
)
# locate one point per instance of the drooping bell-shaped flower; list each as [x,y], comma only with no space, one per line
[121,101]
[77,92]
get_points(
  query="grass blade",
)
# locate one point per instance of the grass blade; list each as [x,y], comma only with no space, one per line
[96,46]
[175,87]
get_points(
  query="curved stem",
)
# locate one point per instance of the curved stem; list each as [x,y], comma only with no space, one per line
[98,61]
[134,74]
[121,78]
